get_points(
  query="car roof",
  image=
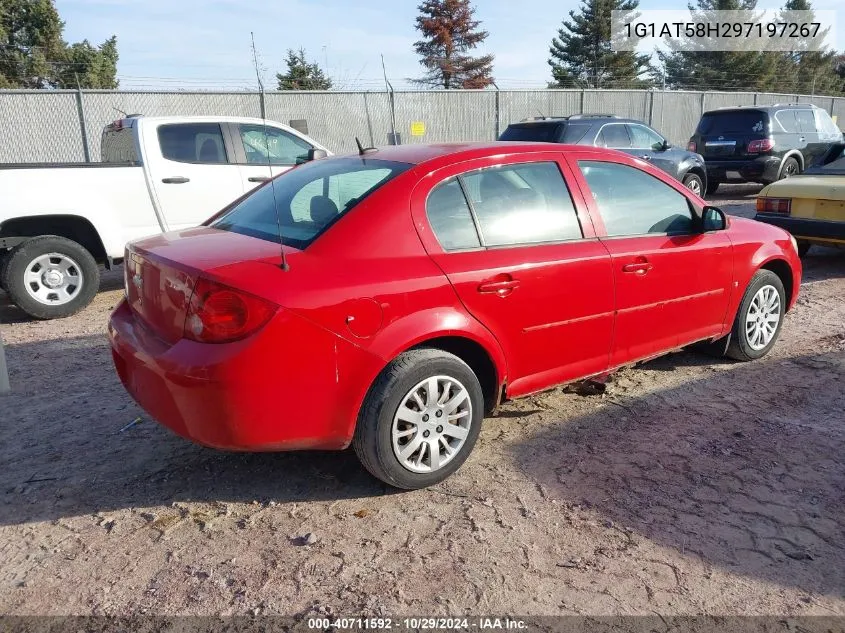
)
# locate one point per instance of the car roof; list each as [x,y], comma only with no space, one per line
[577,118]
[448,153]
[765,107]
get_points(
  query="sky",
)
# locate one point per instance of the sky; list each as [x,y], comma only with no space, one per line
[205,44]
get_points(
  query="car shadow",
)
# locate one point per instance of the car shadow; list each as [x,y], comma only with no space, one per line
[741,469]
[822,263]
[67,451]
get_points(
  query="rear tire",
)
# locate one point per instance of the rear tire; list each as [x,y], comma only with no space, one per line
[50,277]
[755,329]
[712,185]
[790,168]
[406,417]
[694,183]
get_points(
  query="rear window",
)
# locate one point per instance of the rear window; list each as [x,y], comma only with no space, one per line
[303,202]
[534,132]
[734,122]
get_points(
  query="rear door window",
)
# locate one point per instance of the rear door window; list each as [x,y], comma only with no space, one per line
[525,203]
[806,121]
[632,202]
[614,136]
[192,143]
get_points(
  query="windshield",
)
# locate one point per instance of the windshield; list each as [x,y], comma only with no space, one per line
[303,202]
[733,122]
[832,164]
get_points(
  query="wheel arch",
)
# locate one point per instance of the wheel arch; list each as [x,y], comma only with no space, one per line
[793,153]
[783,270]
[69,226]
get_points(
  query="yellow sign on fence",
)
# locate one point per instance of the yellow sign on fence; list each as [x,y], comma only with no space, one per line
[418,128]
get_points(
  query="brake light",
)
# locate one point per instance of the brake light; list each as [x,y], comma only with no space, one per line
[220,314]
[760,145]
[780,206]
[692,147]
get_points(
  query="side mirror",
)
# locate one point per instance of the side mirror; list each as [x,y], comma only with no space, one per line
[316,154]
[713,219]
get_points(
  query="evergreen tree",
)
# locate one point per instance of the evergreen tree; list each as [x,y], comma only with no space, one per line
[809,72]
[688,66]
[34,55]
[450,30]
[302,75]
[581,54]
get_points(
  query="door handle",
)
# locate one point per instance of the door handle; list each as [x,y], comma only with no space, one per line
[258,178]
[501,287]
[640,268]
[175,180]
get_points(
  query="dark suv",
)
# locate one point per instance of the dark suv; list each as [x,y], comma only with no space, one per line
[762,143]
[606,130]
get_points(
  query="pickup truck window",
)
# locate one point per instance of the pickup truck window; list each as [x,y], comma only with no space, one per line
[193,143]
[303,202]
[272,146]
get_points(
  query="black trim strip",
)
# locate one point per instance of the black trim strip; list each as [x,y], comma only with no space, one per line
[803,227]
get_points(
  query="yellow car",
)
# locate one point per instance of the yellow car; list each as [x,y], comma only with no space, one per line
[810,206]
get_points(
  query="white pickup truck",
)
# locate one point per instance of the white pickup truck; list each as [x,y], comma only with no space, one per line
[58,222]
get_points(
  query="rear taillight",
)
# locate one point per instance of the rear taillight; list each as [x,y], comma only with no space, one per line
[760,145]
[781,206]
[220,314]
[692,147]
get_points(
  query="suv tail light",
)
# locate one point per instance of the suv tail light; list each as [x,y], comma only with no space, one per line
[760,145]
[692,147]
[780,206]
[220,314]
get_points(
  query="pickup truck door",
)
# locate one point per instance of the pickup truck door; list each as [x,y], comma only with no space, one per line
[192,171]
[264,151]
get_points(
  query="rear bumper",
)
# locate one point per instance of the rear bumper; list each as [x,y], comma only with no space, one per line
[805,227]
[290,386]
[760,169]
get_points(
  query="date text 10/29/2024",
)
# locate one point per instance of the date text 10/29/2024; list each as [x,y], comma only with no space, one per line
[419,623]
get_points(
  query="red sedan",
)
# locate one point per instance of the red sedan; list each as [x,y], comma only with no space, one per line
[391,299]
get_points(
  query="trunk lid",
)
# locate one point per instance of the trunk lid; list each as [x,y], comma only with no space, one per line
[161,271]
[725,135]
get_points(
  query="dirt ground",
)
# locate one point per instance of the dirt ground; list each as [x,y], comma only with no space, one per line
[693,485]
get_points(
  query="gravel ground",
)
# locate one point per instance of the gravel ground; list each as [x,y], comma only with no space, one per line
[693,485]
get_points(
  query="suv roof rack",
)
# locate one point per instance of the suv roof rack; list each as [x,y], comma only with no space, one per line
[594,116]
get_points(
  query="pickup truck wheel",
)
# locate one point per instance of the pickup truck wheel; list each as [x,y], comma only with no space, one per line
[49,277]
[420,419]
[759,319]
[4,257]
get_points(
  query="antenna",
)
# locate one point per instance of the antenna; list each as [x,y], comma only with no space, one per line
[364,150]
[284,265]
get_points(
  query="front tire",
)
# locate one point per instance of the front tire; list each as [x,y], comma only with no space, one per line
[50,277]
[693,183]
[420,419]
[759,319]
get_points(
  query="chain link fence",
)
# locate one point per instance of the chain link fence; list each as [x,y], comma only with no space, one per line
[65,126]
